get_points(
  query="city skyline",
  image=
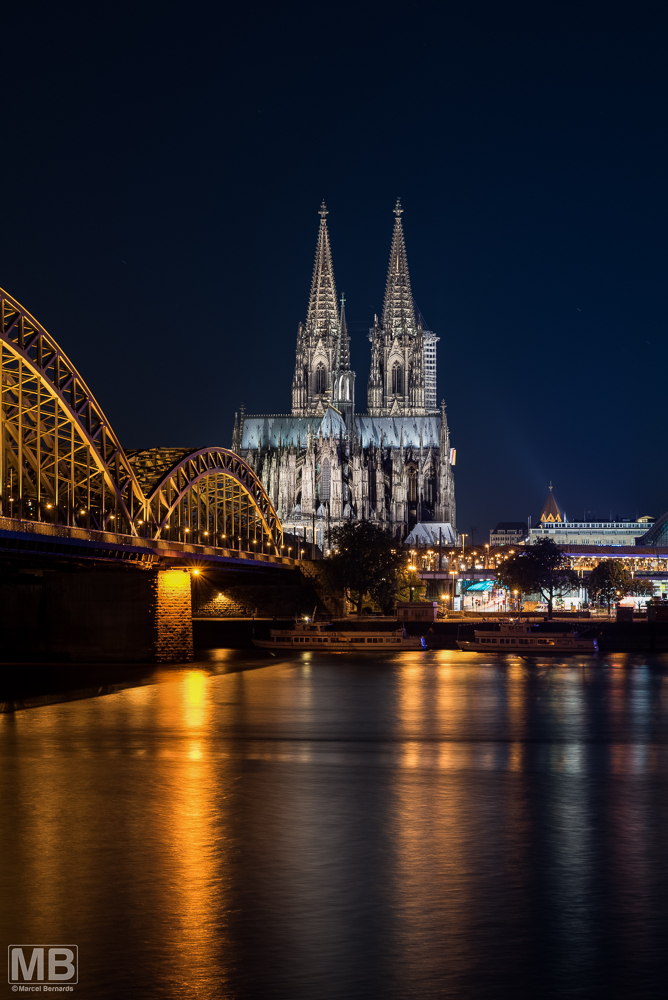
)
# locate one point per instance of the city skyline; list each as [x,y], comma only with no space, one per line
[530,172]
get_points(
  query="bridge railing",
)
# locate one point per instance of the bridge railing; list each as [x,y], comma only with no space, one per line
[36,536]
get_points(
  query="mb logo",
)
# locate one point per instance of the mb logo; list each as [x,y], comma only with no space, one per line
[43,963]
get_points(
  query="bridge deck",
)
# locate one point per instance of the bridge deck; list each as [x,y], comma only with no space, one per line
[41,538]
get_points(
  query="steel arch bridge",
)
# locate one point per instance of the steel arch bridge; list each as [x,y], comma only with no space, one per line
[61,462]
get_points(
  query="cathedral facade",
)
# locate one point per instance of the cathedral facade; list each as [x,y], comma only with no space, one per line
[324,462]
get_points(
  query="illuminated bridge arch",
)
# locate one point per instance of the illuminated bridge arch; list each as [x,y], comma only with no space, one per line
[210,496]
[61,462]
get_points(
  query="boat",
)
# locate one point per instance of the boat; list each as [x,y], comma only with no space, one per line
[526,640]
[326,639]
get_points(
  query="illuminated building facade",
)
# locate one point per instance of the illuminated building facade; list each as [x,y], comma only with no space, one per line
[323,461]
[554,524]
[508,533]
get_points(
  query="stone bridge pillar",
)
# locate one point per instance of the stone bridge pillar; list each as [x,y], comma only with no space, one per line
[171,610]
[97,616]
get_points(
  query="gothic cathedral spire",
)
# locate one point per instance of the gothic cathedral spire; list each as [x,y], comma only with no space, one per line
[317,339]
[323,313]
[343,379]
[396,384]
[398,308]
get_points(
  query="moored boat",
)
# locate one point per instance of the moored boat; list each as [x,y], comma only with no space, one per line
[526,640]
[326,639]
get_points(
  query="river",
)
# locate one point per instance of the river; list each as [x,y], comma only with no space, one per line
[423,825]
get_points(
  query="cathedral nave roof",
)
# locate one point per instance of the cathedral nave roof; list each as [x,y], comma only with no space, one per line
[398,431]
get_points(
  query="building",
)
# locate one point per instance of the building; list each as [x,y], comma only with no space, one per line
[324,462]
[417,611]
[430,389]
[508,533]
[553,524]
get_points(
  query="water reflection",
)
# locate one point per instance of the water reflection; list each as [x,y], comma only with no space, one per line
[418,825]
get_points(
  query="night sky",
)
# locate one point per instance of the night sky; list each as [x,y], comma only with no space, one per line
[161,172]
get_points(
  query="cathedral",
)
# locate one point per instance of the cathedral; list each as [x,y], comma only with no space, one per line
[324,462]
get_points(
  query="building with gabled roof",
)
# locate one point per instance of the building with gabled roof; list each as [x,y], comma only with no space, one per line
[323,462]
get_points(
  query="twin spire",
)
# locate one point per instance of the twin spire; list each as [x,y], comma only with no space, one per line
[398,309]
[323,313]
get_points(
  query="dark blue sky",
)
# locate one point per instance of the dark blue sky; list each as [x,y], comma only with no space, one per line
[162,169]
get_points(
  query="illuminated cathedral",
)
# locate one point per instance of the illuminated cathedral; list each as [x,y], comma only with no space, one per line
[324,462]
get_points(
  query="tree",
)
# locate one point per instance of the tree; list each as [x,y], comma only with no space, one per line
[609,579]
[366,560]
[641,588]
[538,569]
[409,585]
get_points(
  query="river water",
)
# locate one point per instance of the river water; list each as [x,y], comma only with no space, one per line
[423,825]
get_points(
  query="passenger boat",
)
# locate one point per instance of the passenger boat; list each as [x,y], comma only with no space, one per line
[324,638]
[526,640]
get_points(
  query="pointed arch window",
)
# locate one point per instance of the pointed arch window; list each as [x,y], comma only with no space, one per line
[412,485]
[344,389]
[324,481]
[372,485]
[430,488]
[320,379]
[397,379]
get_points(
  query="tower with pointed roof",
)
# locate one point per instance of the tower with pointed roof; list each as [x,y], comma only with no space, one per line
[319,338]
[397,380]
[343,378]
[550,513]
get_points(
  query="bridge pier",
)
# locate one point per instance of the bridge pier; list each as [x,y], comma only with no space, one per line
[171,613]
[97,616]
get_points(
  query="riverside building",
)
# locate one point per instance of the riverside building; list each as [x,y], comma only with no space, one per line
[553,524]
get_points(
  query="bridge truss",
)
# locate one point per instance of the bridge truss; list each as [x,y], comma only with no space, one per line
[61,462]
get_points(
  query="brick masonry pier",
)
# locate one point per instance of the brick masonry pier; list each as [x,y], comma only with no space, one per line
[98,616]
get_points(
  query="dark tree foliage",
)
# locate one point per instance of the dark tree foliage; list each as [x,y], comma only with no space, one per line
[368,561]
[538,569]
[641,588]
[611,579]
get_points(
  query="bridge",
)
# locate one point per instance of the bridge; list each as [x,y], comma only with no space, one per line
[62,468]
[68,488]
